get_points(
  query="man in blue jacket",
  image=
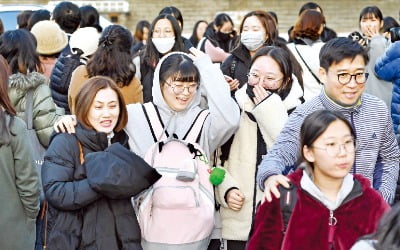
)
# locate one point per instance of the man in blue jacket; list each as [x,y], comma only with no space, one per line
[343,73]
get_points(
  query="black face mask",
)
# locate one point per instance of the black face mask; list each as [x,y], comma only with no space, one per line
[250,91]
[223,36]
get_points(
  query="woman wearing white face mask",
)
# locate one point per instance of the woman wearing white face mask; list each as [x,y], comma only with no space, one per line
[164,37]
[257,29]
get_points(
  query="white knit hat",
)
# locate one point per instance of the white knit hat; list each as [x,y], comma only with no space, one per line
[85,39]
[51,39]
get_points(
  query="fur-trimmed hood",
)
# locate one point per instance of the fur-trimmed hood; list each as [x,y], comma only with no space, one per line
[28,81]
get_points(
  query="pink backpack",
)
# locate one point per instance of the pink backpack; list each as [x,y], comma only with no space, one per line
[179,208]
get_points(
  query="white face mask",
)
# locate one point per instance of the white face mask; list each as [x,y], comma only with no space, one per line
[163,45]
[252,40]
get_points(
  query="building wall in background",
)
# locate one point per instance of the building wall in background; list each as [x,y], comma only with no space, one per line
[341,15]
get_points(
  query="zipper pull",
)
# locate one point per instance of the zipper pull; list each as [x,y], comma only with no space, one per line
[332,223]
[332,219]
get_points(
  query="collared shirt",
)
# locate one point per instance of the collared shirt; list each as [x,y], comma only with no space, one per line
[377,157]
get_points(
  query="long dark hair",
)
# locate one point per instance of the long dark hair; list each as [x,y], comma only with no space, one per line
[151,56]
[6,107]
[282,58]
[371,11]
[138,36]
[18,47]
[175,12]
[193,38]
[113,56]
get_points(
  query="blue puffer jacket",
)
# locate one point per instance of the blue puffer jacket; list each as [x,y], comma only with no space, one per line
[388,68]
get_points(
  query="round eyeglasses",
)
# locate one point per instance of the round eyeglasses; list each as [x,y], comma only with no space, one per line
[345,78]
[254,78]
[178,89]
[333,149]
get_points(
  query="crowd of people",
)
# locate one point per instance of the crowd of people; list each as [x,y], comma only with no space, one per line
[232,138]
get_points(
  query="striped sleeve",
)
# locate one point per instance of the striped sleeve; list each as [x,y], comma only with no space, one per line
[285,152]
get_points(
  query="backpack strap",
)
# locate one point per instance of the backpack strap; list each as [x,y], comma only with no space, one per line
[288,201]
[29,109]
[154,120]
[233,66]
[308,67]
[192,135]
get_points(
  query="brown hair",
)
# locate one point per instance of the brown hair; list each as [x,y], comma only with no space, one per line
[308,25]
[88,92]
[6,107]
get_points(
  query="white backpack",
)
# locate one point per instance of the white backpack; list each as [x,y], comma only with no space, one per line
[178,211]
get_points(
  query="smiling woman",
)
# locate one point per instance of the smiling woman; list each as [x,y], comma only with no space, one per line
[93,174]
[323,193]
[101,106]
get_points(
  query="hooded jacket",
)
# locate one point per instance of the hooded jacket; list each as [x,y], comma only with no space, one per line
[241,167]
[309,228]
[90,203]
[218,127]
[44,109]
[377,157]
[19,190]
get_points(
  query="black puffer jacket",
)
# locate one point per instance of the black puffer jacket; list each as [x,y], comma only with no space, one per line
[89,204]
[237,65]
[60,79]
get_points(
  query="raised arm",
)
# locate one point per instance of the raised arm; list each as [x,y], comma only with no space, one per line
[224,112]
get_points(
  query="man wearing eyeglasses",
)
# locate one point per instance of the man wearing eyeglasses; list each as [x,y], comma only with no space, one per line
[343,73]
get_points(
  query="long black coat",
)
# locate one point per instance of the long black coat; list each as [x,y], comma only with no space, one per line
[89,204]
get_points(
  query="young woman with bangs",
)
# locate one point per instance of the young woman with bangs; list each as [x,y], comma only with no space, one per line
[371,22]
[182,82]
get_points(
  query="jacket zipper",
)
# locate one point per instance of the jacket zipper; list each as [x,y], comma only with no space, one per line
[331,231]
[332,219]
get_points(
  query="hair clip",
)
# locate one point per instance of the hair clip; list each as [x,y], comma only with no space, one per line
[106,42]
